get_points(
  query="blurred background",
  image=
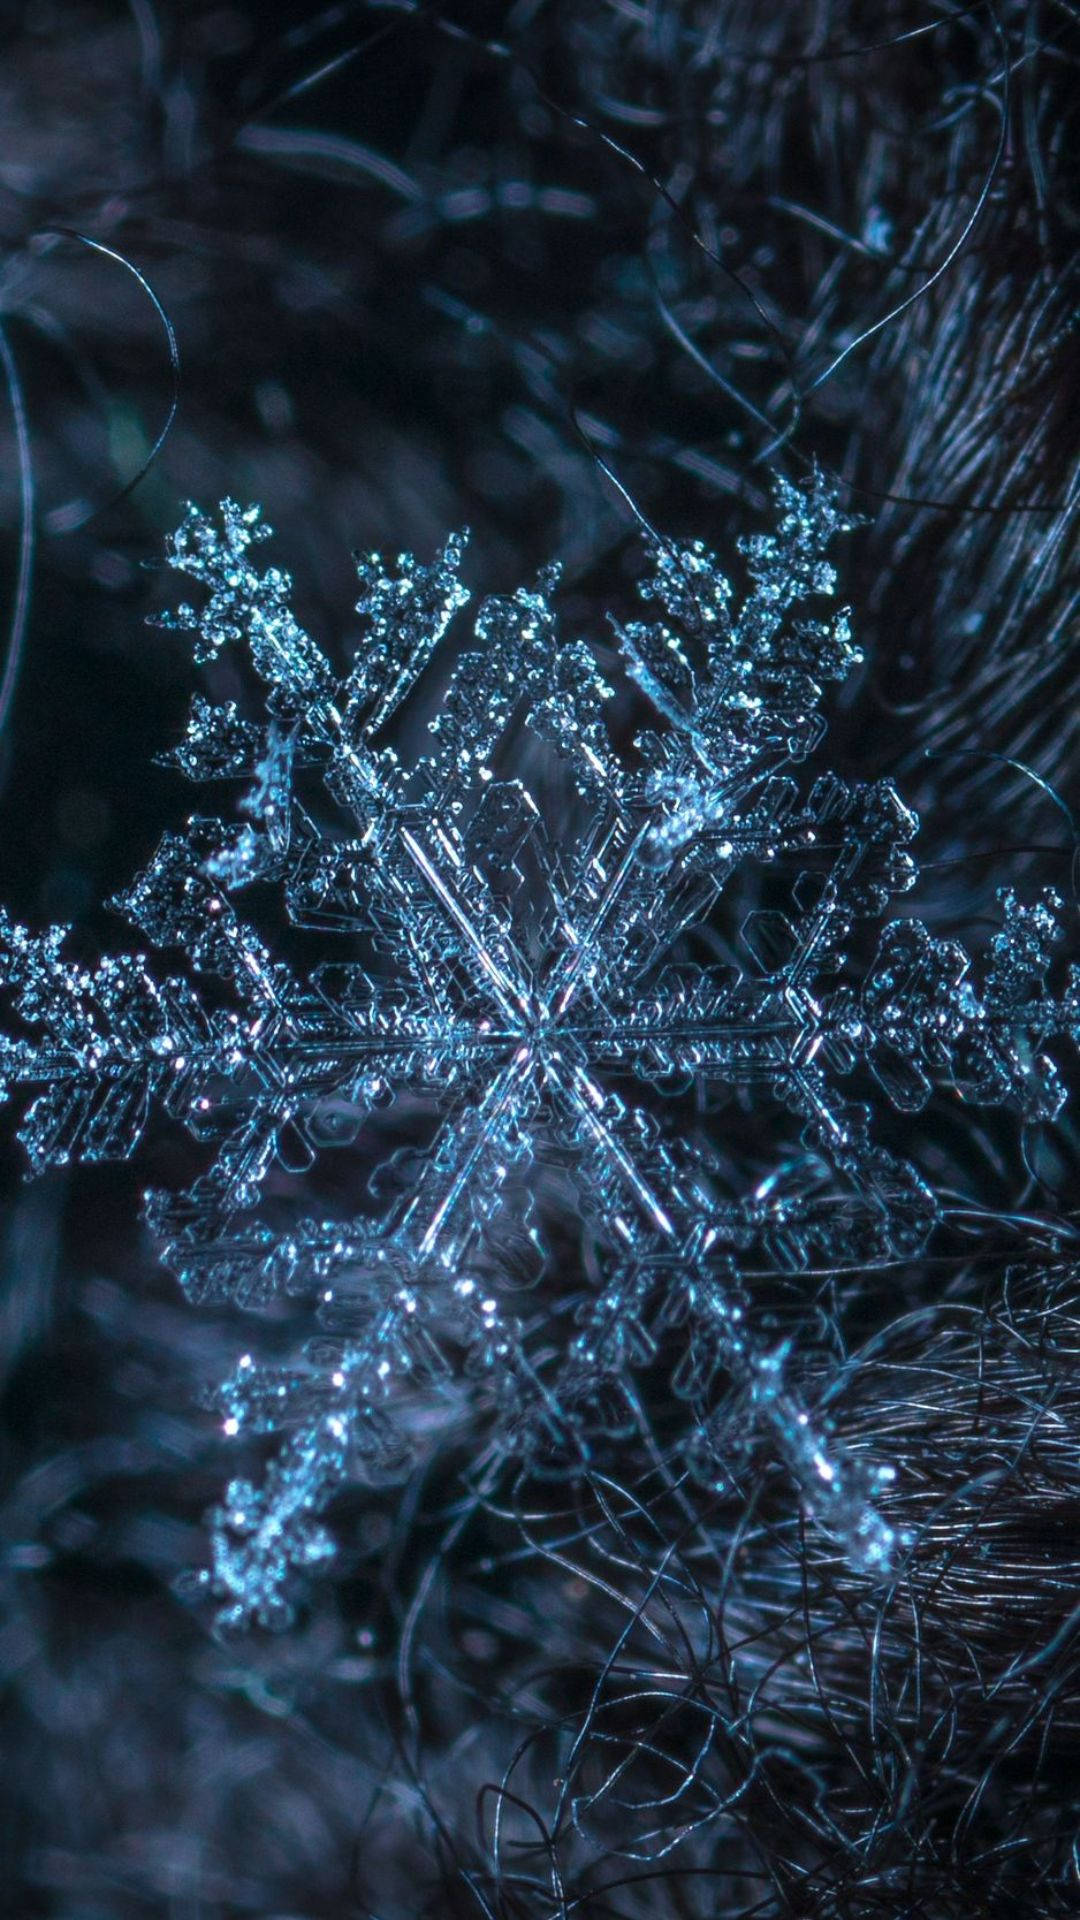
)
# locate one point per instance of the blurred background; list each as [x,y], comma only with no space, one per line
[538,269]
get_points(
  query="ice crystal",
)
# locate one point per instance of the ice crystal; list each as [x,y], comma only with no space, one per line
[514,967]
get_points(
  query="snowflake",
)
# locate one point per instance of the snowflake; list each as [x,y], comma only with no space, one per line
[513,979]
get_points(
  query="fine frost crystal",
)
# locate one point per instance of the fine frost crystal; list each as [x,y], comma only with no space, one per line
[529,1005]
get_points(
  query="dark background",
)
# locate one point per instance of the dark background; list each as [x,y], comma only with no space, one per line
[427,270]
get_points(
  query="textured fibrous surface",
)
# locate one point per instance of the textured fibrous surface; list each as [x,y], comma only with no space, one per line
[550,270]
[529,984]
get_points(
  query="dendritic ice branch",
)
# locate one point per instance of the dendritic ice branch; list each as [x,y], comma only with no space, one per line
[515,972]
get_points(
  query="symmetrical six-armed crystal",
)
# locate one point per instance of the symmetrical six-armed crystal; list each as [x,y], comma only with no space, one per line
[516,1011]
